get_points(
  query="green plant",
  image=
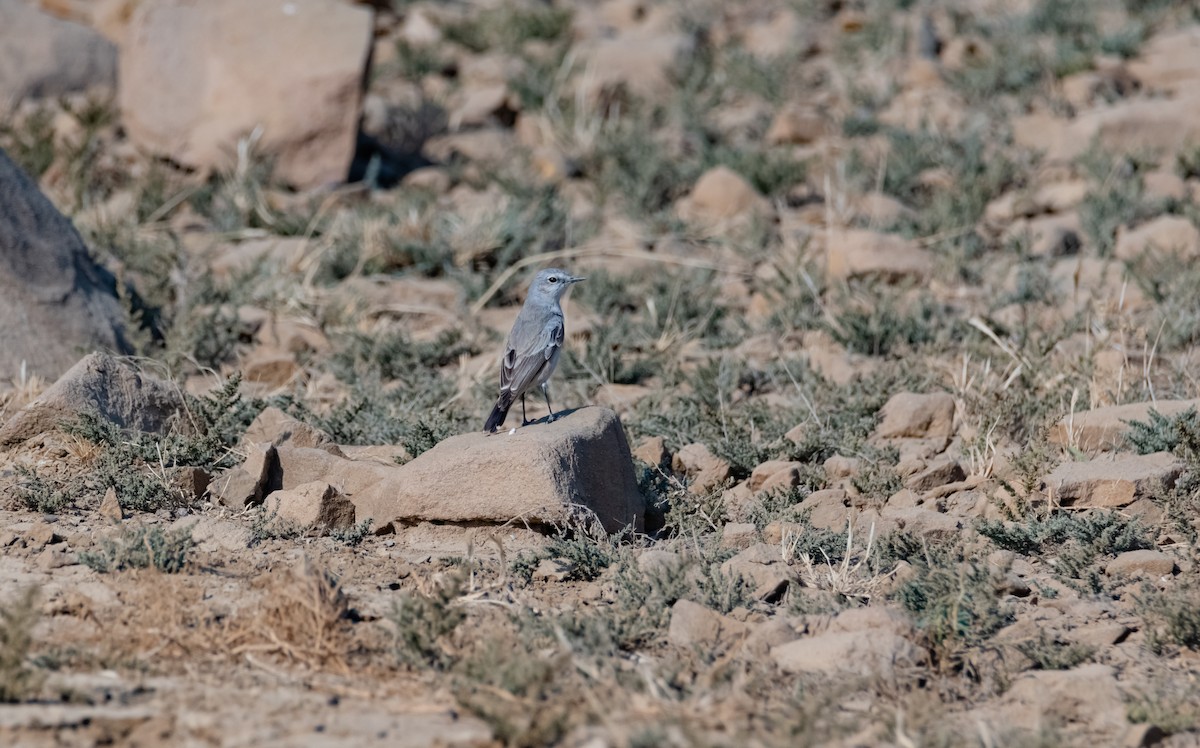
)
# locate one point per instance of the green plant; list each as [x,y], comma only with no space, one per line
[1158,433]
[353,535]
[1172,617]
[141,548]
[18,617]
[421,620]
[1048,653]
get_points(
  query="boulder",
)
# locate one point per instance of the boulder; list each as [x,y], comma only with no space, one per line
[315,504]
[1111,481]
[273,426]
[1168,234]
[540,474]
[54,300]
[196,77]
[867,652]
[721,194]
[642,62]
[112,388]
[43,56]
[249,482]
[1146,561]
[1104,429]
[707,471]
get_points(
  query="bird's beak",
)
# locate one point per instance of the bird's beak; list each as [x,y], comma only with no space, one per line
[575,280]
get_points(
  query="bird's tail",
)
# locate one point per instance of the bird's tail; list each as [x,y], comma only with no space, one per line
[499,413]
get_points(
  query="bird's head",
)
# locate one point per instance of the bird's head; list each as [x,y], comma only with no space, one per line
[551,284]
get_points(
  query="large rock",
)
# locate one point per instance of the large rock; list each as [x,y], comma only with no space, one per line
[1140,125]
[110,387]
[540,475]
[54,301]
[315,504]
[41,55]
[197,76]
[721,194]
[916,415]
[1169,234]
[1112,481]
[644,63]
[1104,429]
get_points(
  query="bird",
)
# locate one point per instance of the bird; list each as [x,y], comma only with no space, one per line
[533,346]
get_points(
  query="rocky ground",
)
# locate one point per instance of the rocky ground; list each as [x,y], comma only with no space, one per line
[881,408]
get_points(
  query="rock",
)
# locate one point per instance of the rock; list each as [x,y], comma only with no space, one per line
[795,124]
[859,253]
[708,471]
[110,507]
[721,194]
[56,556]
[41,535]
[553,570]
[940,472]
[641,62]
[249,482]
[1164,185]
[540,474]
[918,416]
[775,474]
[273,426]
[54,300]
[1088,694]
[881,209]
[761,567]
[1111,481]
[855,652]
[1149,562]
[1104,429]
[315,504]
[212,534]
[112,388]
[1169,61]
[694,625]
[298,77]
[653,451]
[655,561]
[840,466]
[923,522]
[1131,126]
[1048,235]
[738,535]
[1168,234]
[43,57]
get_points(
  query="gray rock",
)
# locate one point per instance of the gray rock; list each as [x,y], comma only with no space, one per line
[42,56]
[54,300]
[113,388]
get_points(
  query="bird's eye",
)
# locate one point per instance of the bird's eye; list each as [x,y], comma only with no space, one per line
[553,279]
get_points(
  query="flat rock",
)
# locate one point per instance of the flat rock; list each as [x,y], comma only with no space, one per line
[273,426]
[1103,429]
[298,76]
[54,300]
[1145,561]
[1111,481]
[539,474]
[1164,234]
[113,388]
[863,652]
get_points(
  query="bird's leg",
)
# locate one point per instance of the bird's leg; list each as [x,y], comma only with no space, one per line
[524,420]
[549,407]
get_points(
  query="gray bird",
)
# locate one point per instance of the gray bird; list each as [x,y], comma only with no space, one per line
[533,345]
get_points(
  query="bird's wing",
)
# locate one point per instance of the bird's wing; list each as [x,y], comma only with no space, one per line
[528,352]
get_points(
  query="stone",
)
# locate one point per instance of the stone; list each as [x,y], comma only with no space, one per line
[940,472]
[1169,61]
[55,301]
[656,561]
[1104,429]
[642,62]
[110,507]
[694,625]
[761,567]
[775,474]
[315,504]
[860,253]
[721,194]
[297,79]
[917,416]
[273,426]
[1167,234]
[553,570]
[43,57]
[1145,561]
[865,653]
[1087,694]
[213,534]
[708,472]
[1111,481]
[112,388]
[1132,126]
[249,482]
[56,556]
[541,474]
[794,125]
[923,522]
[40,535]
[738,535]
[653,451]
